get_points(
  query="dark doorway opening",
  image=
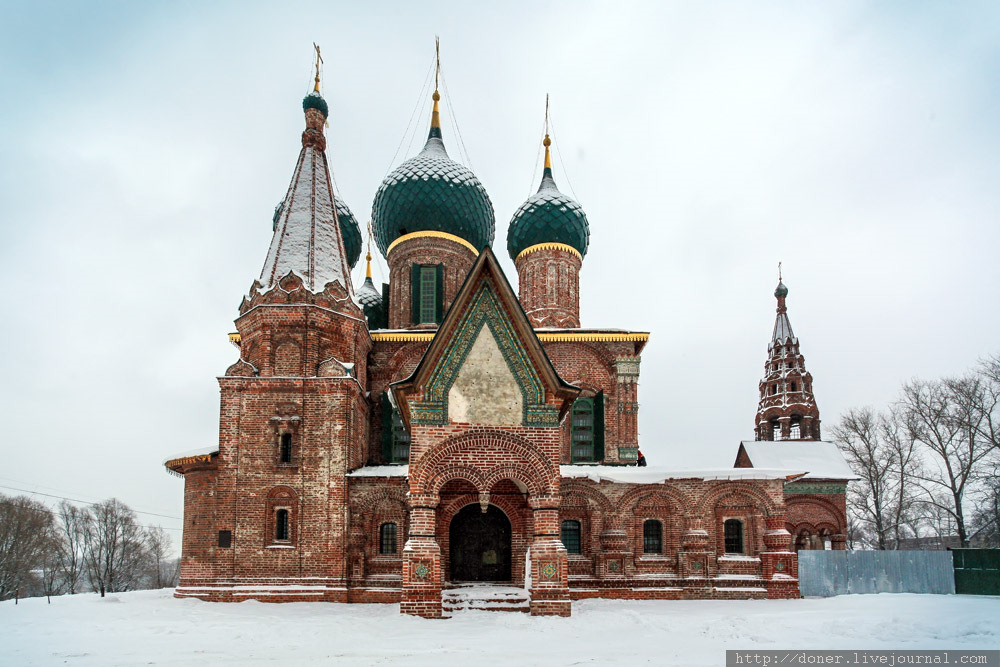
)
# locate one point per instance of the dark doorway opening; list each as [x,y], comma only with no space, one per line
[480,545]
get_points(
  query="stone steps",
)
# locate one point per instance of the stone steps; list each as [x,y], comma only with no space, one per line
[484,597]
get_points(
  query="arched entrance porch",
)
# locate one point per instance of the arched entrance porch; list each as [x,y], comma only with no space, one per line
[480,545]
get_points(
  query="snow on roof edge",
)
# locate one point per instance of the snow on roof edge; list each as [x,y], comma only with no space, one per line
[654,475]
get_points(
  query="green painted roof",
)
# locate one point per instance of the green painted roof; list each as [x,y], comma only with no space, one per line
[349,230]
[314,101]
[548,216]
[432,192]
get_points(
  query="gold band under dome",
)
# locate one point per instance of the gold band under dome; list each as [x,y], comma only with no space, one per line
[549,246]
[432,234]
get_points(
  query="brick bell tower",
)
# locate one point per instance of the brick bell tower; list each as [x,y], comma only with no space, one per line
[268,508]
[787,408]
[547,239]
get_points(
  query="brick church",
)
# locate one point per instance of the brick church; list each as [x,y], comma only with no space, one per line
[408,442]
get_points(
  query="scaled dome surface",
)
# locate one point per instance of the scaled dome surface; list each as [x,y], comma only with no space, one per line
[432,192]
[548,216]
[349,230]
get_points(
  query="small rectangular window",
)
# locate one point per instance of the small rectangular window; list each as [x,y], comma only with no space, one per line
[733,529]
[652,537]
[281,525]
[286,448]
[571,535]
[225,538]
[387,539]
[428,294]
[583,430]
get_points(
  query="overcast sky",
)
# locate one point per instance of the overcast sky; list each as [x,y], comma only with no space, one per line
[144,146]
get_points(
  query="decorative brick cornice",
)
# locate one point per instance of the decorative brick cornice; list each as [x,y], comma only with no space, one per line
[432,234]
[549,246]
[594,337]
[816,488]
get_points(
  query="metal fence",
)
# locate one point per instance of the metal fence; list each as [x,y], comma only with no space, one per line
[977,571]
[828,573]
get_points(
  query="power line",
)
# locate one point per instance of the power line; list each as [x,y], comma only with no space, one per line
[49,512]
[85,502]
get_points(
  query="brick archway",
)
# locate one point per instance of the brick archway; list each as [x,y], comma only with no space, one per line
[466,456]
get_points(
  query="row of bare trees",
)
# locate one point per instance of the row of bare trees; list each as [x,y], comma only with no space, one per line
[929,464]
[101,547]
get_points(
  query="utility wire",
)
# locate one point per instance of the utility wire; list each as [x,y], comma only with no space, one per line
[85,502]
[49,511]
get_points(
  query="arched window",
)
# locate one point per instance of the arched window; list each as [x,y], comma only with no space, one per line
[285,448]
[550,283]
[387,539]
[733,529]
[281,525]
[652,537]
[795,428]
[571,535]
[775,429]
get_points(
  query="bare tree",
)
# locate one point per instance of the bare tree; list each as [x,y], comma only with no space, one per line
[25,534]
[938,418]
[70,521]
[114,547]
[880,452]
[157,549]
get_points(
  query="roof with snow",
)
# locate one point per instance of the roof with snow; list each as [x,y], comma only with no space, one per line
[819,459]
[657,475]
[307,238]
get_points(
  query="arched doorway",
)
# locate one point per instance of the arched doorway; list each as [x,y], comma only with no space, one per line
[480,544]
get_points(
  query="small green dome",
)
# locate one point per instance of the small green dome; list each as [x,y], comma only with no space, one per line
[315,101]
[781,290]
[349,230]
[548,216]
[432,192]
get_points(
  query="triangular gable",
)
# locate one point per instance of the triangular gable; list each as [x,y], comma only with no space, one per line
[485,310]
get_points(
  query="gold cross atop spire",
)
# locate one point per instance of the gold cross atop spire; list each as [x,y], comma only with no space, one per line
[779,272]
[547,142]
[319,61]
[436,114]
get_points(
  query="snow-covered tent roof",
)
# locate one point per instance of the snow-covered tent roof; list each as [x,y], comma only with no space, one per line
[307,238]
[819,459]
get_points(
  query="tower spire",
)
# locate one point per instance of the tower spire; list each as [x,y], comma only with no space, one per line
[436,113]
[787,409]
[547,141]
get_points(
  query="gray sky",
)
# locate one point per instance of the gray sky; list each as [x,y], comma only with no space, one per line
[144,147]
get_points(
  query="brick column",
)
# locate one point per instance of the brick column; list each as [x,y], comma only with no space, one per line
[422,561]
[693,559]
[549,562]
[779,565]
[627,376]
[613,560]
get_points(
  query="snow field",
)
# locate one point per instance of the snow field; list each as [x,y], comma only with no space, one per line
[153,628]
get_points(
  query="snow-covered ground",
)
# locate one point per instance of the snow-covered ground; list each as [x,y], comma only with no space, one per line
[151,627]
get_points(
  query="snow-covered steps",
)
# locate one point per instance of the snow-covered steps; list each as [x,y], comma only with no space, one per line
[484,597]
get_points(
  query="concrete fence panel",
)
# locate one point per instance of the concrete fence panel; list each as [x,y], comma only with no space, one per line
[828,573]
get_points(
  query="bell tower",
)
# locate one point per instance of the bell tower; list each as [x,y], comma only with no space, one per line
[787,408]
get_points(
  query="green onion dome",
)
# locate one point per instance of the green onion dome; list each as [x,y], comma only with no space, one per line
[349,230]
[548,216]
[432,192]
[314,101]
[781,290]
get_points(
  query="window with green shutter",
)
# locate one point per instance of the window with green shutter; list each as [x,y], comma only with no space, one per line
[395,439]
[583,430]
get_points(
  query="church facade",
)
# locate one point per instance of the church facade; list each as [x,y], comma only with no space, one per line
[396,444]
